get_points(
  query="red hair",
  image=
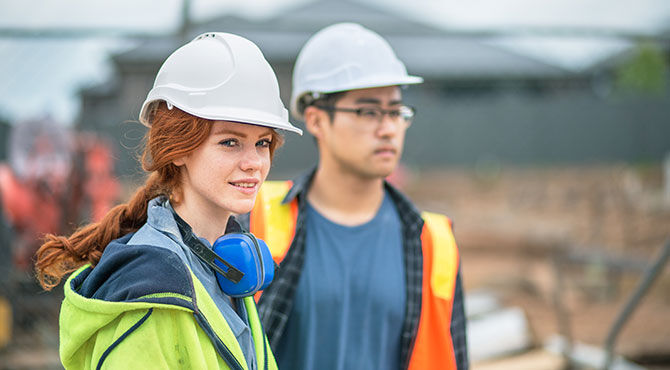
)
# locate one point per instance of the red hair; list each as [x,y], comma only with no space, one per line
[172,135]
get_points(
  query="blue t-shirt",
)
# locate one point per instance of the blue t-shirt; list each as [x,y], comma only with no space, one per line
[349,305]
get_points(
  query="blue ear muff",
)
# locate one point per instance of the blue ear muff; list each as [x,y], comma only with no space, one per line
[243,264]
[249,255]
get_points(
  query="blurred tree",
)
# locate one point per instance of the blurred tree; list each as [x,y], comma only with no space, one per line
[645,72]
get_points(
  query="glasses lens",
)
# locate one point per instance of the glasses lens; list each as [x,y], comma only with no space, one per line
[407,113]
[371,114]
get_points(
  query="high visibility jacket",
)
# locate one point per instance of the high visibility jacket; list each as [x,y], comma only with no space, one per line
[275,222]
[143,306]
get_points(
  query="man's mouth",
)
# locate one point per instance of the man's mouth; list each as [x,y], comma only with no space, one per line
[386,151]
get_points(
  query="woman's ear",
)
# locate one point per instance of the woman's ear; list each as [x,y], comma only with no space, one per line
[179,161]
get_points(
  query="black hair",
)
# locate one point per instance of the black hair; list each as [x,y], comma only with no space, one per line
[323,100]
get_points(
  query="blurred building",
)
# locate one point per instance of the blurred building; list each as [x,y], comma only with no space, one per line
[482,102]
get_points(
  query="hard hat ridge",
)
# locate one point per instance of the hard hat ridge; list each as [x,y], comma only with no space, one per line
[220,76]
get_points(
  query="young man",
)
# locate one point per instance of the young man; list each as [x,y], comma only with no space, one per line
[365,280]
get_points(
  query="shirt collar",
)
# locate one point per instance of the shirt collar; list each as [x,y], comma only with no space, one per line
[162,216]
[159,216]
[300,186]
[302,183]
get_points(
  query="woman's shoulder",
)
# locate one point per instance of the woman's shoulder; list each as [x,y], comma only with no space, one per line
[134,271]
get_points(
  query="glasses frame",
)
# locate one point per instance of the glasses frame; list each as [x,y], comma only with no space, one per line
[359,111]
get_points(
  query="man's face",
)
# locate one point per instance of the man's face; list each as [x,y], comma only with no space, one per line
[364,142]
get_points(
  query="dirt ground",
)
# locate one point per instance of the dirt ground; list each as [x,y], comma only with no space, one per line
[593,230]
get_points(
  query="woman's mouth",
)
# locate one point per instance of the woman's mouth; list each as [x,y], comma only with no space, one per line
[246,187]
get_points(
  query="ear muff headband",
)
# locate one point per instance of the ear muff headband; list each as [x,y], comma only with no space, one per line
[242,263]
[210,258]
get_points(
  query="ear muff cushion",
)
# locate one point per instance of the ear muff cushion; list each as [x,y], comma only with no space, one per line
[251,258]
[268,264]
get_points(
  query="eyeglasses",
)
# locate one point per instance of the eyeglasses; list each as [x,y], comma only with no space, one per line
[375,115]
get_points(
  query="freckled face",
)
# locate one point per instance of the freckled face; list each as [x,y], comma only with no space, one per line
[224,174]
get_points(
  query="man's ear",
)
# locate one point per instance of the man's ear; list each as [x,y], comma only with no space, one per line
[314,120]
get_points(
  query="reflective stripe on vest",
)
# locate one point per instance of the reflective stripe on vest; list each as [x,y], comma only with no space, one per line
[440,262]
[275,223]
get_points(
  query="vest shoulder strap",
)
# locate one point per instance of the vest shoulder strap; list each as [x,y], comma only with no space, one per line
[273,221]
[439,248]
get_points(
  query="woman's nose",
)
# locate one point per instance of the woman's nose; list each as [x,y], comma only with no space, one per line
[251,159]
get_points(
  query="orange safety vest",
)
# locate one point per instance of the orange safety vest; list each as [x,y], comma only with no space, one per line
[275,223]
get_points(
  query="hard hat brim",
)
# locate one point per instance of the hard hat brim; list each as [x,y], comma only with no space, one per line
[239,115]
[373,82]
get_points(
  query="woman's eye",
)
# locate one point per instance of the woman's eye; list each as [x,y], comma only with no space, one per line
[228,142]
[265,143]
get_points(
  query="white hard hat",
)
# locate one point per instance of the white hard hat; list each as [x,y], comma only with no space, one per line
[346,56]
[220,76]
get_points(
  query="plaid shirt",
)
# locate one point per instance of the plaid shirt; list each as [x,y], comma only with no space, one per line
[276,303]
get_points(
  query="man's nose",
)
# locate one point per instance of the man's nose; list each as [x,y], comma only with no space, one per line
[387,126]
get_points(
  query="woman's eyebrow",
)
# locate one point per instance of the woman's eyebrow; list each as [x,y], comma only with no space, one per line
[228,131]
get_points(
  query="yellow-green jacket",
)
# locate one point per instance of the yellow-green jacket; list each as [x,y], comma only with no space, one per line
[143,307]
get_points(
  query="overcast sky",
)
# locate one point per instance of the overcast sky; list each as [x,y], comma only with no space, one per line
[568,33]
[159,16]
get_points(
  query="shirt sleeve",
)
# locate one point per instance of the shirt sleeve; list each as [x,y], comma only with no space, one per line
[458,326]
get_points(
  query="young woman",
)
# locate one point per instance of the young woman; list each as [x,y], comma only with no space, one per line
[146,292]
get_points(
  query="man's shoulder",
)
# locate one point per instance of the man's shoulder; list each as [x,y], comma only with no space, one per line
[406,209]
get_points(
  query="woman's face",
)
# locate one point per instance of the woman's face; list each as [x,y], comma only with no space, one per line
[224,174]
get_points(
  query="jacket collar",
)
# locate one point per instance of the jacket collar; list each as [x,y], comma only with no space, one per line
[162,217]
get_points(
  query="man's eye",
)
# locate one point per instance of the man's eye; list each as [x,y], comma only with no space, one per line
[228,142]
[394,113]
[369,113]
[265,143]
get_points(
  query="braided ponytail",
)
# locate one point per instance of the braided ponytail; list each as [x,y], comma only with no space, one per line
[60,255]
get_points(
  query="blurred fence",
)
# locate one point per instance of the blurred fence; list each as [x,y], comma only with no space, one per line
[32,329]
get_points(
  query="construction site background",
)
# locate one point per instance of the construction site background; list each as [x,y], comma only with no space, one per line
[555,174]
[598,226]
[511,224]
